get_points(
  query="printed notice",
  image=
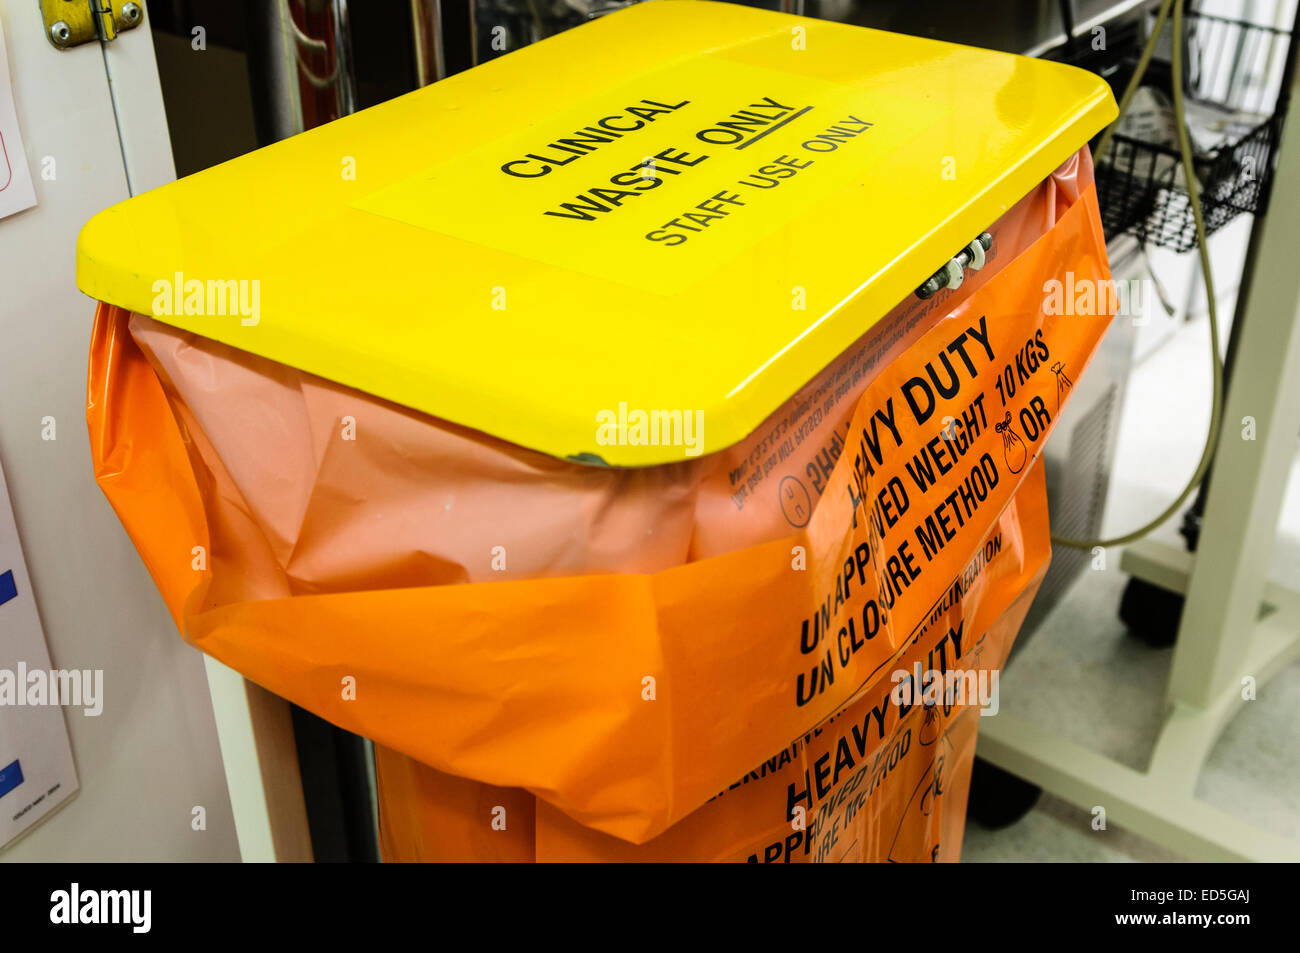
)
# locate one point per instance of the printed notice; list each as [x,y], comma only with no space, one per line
[36,770]
[16,191]
[659,183]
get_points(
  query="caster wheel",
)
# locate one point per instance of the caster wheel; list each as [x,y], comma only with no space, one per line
[998,798]
[1151,614]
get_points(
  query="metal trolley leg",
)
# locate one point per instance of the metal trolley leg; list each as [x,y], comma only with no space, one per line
[1235,625]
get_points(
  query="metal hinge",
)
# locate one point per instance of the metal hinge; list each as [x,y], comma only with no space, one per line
[950,275]
[70,23]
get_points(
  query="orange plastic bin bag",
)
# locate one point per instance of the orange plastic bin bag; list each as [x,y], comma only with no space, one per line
[520,683]
[876,782]
[683,660]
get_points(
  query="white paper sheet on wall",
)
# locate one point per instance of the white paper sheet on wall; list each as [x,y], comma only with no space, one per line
[36,769]
[16,190]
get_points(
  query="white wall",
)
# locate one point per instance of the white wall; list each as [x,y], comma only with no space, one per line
[153,755]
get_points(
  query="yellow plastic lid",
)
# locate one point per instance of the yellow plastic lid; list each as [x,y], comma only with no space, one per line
[683,206]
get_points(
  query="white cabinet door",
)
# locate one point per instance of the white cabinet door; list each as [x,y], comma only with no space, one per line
[153,756]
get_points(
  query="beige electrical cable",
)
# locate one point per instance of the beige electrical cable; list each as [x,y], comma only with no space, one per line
[1136,79]
[1193,195]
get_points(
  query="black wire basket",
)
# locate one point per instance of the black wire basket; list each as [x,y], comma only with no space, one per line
[1233,70]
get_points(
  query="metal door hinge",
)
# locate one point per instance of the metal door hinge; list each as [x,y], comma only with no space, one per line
[70,23]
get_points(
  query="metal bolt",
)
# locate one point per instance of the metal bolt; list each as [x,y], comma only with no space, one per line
[960,261]
[131,13]
[60,33]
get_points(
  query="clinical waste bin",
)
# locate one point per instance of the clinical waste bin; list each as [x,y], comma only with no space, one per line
[625,434]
